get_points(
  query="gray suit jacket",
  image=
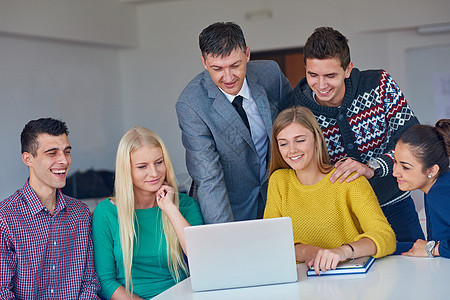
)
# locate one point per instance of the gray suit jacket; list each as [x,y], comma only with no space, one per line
[220,155]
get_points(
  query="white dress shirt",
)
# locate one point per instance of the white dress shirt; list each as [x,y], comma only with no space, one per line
[257,128]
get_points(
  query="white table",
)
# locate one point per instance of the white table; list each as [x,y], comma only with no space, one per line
[392,277]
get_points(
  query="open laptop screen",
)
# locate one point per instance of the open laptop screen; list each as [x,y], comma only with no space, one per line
[241,254]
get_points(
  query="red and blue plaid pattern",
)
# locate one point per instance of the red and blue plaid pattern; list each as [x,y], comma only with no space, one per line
[43,255]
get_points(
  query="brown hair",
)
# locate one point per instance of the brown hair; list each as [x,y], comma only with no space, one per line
[304,117]
[220,39]
[325,43]
[430,145]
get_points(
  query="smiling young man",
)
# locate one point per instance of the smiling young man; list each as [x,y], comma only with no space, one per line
[45,236]
[227,139]
[362,114]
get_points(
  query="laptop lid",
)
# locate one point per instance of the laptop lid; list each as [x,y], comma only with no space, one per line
[241,254]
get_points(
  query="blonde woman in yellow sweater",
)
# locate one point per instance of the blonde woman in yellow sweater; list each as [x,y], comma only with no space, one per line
[332,222]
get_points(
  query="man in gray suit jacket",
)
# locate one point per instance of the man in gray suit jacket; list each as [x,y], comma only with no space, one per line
[225,114]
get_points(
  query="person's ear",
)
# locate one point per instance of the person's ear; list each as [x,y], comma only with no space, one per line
[348,70]
[27,158]
[247,53]
[433,171]
[203,61]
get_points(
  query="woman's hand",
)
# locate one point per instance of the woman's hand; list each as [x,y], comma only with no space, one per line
[165,200]
[418,249]
[306,253]
[322,259]
[165,197]
[327,259]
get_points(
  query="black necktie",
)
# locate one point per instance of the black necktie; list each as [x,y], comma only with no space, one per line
[237,103]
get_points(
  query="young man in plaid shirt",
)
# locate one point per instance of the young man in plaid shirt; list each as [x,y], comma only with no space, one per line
[45,236]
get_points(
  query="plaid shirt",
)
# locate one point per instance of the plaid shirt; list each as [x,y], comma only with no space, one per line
[45,256]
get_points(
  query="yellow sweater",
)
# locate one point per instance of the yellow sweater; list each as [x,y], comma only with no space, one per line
[328,214]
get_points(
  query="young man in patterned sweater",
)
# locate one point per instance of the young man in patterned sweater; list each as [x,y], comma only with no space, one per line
[362,114]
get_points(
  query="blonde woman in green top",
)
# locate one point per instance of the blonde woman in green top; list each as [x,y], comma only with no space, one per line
[139,234]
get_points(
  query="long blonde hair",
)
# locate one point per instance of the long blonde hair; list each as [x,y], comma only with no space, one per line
[133,139]
[304,117]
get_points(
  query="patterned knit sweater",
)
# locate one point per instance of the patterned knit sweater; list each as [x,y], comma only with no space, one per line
[328,215]
[373,115]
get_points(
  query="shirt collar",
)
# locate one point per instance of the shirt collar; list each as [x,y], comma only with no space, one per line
[244,92]
[36,205]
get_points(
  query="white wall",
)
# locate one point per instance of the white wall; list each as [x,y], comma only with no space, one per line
[77,83]
[421,64]
[107,22]
[60,58]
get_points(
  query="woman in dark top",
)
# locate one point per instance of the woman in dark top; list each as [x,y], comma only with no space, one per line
[422,162]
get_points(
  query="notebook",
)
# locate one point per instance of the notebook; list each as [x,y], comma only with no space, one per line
[356,266]
[241,254]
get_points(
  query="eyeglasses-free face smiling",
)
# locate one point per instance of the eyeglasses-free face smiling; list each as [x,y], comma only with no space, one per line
[326,78]
[148,170]
[409,171]
[50,165]
[228,73]
[298,147]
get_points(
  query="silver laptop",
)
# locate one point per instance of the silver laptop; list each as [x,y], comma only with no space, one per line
[241,254]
